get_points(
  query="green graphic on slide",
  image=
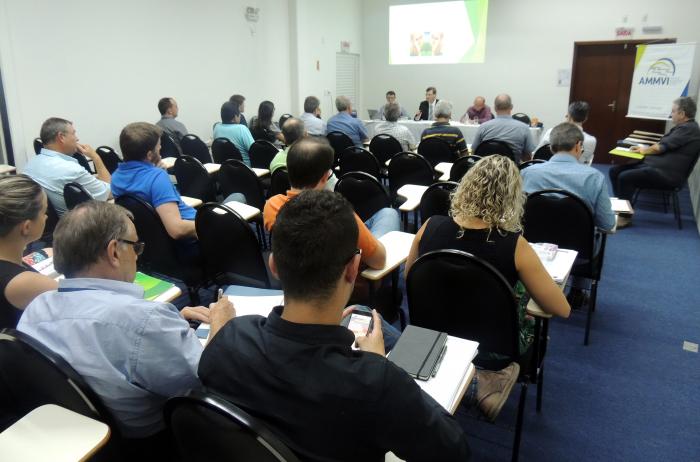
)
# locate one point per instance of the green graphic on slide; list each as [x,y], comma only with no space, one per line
[477,11]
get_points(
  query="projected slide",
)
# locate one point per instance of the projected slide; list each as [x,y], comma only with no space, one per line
[432,33]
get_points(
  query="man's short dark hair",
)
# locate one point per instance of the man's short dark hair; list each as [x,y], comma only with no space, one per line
[237,99]
[315,238]
[82,234]
[578,111]
[164,104]
[229,111]
[311,103]
[292,130]
[431,89]
[137,139]
[564,137]
[307,161]
[52,127]
[391,93]
[687,105]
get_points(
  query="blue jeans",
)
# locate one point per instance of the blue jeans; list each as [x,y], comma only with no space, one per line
[391,333]
[384,221]
[237,197]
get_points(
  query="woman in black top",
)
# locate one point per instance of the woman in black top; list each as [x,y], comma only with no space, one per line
[263,128]
[22,218]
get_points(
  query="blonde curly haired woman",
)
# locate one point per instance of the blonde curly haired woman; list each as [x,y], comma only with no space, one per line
[486,213]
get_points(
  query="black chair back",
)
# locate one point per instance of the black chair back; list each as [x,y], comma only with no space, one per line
[206,427]
[38,144]
[384,147]
[543,153]
[354,159]
[283,119]
[168,147]
[436,200]
[462,166]
[192,145]
[530,162]
[74,194]
[193,180]
[229,248]
[82,160]
[409,168]
[522,117]
[364,192]
[109,157]
[436,151]
[339,142]
[223,149]
[237,177]
[491,147]
[458,293]
[279,182]
[261,154]
[51,222]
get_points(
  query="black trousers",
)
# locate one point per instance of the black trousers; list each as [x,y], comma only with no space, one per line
[627,178]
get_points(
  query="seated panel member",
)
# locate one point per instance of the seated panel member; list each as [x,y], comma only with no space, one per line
[309,164]
[505,128]
[55,165]
[231,128]
[344,122]
[134,353]
[426,109]
[295,369]
[315,126]
[169,111]
[479,111]
[391,99]
[442,129]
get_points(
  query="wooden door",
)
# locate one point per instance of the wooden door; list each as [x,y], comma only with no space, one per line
[602,76]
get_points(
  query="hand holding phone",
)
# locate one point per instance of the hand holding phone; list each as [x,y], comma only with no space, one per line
[374,340]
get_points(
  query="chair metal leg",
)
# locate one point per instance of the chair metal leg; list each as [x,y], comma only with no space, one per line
[540,370]
[676,209]
[665,200]
[636,195]
[519,422]
[591,309]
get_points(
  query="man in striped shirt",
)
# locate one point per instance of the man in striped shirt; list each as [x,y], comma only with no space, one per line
[442,129]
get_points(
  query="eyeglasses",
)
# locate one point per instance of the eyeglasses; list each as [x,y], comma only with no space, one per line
[138,245]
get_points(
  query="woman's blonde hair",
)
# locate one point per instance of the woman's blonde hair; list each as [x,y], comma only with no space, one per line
[21,198]
[491,191]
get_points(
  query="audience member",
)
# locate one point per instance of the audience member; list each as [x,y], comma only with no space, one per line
[55,165]
[666,163]
[239,101]
[311,117]
[393,128]
[442,129]
[292,131]
[134,353]
[168,112]
[309,164]
[344,122]
[22,217]
[263,127]
[577,115]
[504,128]
[478,113]
[231,128]
[426,108]
[391,99]
[295,369]
[563,171]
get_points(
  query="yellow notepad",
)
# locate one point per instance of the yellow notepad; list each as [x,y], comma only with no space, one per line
[626,153]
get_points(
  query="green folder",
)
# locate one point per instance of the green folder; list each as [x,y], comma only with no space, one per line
[153,287]
[624,153]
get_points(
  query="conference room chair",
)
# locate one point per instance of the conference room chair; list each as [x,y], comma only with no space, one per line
[522,117]
[74,194]
[409,168]
[462,166]
[436,200]
[82,160]
[672,191]
[109,157]
[356,159]
[458,293]
[209,428]
[364,192]
[192,145]
[543,153]
[530,162]
[283,119]
[222,149]
[559,217]
[193,180]
[261,153]
[384,147]
[50,224]
[436,151]
[279,182]
[31,375]
[492,147]
[160,252]
[230,251]
[38,144]
[237,177]
[339,142]
[168,147]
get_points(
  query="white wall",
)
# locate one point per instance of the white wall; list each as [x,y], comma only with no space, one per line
[527,42]
[105,64]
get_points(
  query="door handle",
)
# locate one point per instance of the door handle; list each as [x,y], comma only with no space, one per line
[613,105]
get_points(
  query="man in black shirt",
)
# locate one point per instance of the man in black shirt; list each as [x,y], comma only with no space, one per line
[296,370]
[667,163]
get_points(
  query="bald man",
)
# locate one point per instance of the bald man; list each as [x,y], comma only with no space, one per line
[479,111]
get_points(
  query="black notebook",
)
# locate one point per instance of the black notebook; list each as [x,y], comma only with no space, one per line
[418,351]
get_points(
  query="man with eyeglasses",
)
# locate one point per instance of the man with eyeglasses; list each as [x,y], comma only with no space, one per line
[134,353]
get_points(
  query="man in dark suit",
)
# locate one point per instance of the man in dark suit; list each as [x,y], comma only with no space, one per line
[427,107]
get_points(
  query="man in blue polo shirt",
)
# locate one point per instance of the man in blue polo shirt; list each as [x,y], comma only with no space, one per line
[232,129]
[344,122]
[505,128]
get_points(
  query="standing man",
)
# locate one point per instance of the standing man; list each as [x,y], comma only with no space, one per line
[55,165]
[344,122]
[427,107]
[391,99]
[577,114]
[311,117]
[479,111]
[168,112]
[240,101]
[504,128]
